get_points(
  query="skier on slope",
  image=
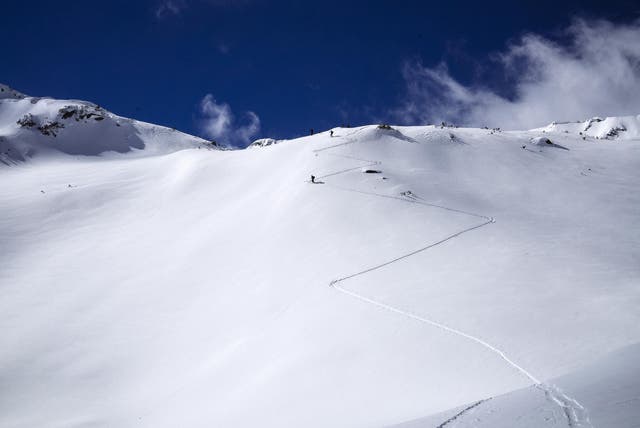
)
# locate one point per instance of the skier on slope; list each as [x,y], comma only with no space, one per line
[331,133]
[313,179]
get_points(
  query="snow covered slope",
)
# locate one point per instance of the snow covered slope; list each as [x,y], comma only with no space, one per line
[609,391]
[610,128]
[429,268]
[30,126]
[9,93]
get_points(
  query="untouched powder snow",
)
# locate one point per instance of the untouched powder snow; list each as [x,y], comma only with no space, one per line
[167,287]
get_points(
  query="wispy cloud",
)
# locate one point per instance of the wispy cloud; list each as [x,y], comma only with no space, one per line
[218,122]
[168,8]
[595,72]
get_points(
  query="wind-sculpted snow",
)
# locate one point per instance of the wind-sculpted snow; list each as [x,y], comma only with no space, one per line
[545,142]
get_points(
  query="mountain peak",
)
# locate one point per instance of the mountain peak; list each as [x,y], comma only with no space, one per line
[7,92]
[32,126]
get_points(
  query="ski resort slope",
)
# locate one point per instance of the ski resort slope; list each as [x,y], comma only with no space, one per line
[194,287]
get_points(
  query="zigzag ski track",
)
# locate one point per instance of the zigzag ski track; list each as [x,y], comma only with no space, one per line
[576,415]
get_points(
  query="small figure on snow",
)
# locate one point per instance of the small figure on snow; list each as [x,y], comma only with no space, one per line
[331,133]
[313,178]
[311,131]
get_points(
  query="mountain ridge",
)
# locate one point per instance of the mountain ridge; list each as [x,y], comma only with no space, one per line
[36,125]
[33,126]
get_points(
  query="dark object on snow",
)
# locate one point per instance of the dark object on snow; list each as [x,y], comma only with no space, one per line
[331,133]
[67,113]
[544,141]
[384,126]
[524,147]
[313,178]
[26,121]
[50,128]
[614,132]
[371,171]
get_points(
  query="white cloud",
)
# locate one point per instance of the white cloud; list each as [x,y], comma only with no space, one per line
[596,72]
[218,122]
[166,8]
[170,7]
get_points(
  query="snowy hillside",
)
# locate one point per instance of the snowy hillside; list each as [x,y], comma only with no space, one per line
[610,128]
[609,391]
[427,270]
[30,126]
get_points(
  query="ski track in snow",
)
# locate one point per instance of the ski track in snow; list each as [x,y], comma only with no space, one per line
[462,412]
[575,413]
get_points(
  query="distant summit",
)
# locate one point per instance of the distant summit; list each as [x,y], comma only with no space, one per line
[610,128]
[7,92]
[32,126]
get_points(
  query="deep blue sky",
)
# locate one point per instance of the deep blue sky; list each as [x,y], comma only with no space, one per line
[298,65]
